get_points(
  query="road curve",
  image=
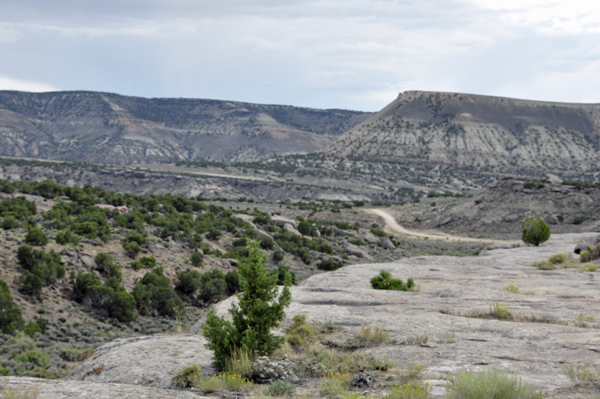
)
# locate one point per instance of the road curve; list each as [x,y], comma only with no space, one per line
[391,224]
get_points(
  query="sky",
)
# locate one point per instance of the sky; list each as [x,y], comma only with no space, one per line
[350,54]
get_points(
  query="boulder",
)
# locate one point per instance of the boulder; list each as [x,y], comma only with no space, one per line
[583,246]
[291,229]
[151,360]
[88,261]
[386,243]
[282,221]
[446,221]
[344,233]
[369,237]
[511,218]
[317,233]
[355,250]
[550,219]
[229,262]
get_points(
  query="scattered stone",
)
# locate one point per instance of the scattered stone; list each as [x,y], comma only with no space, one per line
[355,250]
[291,229]
[386,243]
[282,221]
[583,246]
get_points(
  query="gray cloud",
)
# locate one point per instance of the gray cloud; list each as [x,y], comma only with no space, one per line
[354,54]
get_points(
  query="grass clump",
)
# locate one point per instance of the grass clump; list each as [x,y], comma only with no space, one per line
[409,391]
[412,374]
[240,363]
[384,281]
[511,288]
[281,388]
[583,320]
[334,384]
[447,337]
[366,337]
[300,333]
[29,393]
[489,384]
[583,376]
[416,340]
[500,311]
[224,382]
[346,362]
[187,377]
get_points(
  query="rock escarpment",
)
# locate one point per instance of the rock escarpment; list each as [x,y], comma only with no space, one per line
[470,132]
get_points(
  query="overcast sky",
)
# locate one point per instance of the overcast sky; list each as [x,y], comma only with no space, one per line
[352,54]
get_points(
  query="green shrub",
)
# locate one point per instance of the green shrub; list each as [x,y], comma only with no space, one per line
[4,372]
[356,241]
[535,231]
[281,388]
[188,282]
[82,283]
[378,232]
[107,266]
[260,309]
[277,256]
[306,228]
[36,237]
[187,377]
[33,356]
[38,325]
[197,259]
[10,222]
[39,269]
[132,249]
[153,294]
[145,262]
[10,313]
[489,384]
[110,298]
[19,208]
[282,273]
[66,237]
[385,282]
[579,219]
[329,265]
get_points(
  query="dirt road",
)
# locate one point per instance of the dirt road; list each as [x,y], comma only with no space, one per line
[391,224]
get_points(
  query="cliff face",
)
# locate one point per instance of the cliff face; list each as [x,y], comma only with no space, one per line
[109,128]
[470,131]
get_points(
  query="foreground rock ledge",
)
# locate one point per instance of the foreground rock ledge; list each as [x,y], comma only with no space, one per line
[51,389]
[150,361]
[535,351]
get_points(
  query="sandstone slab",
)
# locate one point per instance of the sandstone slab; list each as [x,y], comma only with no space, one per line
[151,361]
[52,389]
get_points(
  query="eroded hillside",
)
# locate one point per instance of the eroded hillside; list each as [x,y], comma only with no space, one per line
[109,128]
[470,132]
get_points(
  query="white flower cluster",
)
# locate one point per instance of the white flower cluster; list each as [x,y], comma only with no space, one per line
[267,370]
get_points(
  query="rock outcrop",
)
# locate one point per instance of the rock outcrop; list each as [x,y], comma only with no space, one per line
[53,389]
[150,361]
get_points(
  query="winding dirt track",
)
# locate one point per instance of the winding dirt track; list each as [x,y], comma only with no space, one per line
[391,224]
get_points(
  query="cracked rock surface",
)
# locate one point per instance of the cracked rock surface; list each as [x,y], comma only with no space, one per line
[535,348]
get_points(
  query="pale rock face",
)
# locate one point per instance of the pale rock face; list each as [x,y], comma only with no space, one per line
[53,389]
[449,287]
[281,221]
[464,130]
